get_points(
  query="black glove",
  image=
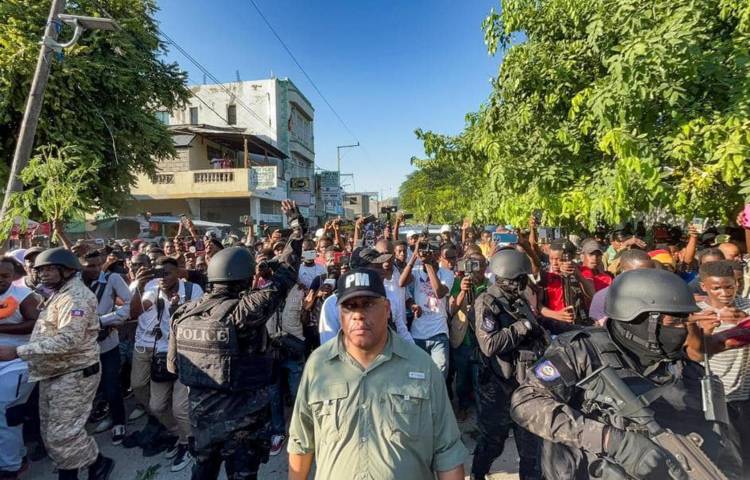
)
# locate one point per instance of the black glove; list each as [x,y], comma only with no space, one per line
[640,457]
[522,327]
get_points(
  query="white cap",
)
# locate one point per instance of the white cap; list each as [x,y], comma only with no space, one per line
[445,228]
[319,233]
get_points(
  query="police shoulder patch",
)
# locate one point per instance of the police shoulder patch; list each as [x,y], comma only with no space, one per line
[76,313]
[546,371]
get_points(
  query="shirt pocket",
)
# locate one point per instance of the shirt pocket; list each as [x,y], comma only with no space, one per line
[408,406]
[327,405]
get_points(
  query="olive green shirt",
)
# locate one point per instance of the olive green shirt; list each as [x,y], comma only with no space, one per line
[392,420]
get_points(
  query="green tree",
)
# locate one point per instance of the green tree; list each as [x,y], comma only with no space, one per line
[607,108]
[58,180]
[101,97]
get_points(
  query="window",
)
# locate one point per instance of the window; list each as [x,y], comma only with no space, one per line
[163,117]
[193,115]
[232,114]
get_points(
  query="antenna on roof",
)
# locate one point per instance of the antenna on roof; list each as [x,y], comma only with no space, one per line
[238,75]
[204,79]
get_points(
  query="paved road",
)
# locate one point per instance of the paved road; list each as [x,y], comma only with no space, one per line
[131,465]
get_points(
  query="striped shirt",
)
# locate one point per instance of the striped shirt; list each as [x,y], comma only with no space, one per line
[732,366]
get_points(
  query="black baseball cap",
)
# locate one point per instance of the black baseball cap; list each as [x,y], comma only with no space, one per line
[361,282]
[363,257]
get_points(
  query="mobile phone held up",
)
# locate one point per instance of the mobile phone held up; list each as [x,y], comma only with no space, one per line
[504,238]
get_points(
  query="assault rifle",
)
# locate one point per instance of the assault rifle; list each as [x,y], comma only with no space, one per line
[684,450]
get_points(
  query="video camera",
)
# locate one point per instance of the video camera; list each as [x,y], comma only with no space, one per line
[388,209]
[468,266]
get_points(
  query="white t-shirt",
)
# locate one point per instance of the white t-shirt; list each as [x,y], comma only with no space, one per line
[397,297]
[434,319]
[150,294]
[13,297]
[307,274]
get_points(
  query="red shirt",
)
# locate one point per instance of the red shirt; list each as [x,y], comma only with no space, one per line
[601,280]
[553,289]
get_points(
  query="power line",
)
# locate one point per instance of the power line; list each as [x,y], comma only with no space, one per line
[309,79]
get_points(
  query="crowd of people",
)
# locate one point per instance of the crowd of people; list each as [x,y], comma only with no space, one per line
[589,346]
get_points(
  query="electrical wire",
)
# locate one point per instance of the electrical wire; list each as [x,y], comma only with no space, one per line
[304,72]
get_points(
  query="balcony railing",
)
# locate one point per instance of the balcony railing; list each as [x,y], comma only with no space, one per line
[214,183]
[164,178]
[221,176]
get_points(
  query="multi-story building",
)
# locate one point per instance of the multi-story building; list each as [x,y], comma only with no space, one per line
[242,148]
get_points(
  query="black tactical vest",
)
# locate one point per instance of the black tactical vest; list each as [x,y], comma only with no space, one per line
[675,400]
[514,364]
[211,355]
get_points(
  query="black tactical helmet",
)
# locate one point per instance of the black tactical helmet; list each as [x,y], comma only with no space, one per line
[231,265]
[643,291]
[57,256]
[509,263]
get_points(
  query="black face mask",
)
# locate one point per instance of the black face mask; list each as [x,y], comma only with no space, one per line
[634,337]
[515,287]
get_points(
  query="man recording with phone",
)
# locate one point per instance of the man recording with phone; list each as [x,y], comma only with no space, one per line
[431,284]
[565,290]
[469,284]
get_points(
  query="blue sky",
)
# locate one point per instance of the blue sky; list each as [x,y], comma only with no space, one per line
[387,67]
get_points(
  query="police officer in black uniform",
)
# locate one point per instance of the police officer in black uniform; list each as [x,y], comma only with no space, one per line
[219,347]
[510,340]
[566,398]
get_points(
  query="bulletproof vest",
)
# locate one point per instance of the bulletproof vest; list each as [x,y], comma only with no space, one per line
[210,354]
[674,394]
[514,364]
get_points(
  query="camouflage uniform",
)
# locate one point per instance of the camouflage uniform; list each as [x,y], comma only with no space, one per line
[63,357]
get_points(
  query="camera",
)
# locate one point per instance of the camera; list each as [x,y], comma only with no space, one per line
[426,248]
[388,209]
[468,266]
[408,216]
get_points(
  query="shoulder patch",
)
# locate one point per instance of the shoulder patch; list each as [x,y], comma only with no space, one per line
[488,322]
[76,313]
[546,371]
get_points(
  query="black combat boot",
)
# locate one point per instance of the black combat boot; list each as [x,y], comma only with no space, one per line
[101,469]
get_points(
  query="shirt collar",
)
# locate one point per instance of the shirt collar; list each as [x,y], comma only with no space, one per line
[394,345]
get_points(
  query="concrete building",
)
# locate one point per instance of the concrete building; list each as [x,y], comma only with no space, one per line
[242,148]
[360,203]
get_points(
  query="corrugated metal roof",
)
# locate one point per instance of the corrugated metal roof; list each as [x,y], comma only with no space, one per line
[182,140]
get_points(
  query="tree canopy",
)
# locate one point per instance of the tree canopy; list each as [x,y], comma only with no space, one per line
[100,101]
[602,109]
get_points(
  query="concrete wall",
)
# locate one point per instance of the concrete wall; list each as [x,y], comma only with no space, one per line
[259,96]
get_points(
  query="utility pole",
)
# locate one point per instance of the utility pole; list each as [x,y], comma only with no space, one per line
[33,105]
[35,101]
[338,155]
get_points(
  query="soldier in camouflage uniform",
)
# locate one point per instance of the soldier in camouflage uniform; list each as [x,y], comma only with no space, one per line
[219,347]
[63,357]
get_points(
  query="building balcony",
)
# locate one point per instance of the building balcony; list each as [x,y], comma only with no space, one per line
[212,183]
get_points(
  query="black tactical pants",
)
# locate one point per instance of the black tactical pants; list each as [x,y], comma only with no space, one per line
[242,453]
[493,418]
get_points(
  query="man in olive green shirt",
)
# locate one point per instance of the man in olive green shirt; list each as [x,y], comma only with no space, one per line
[371,406]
